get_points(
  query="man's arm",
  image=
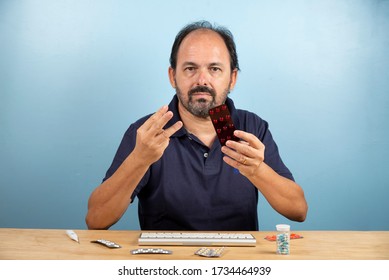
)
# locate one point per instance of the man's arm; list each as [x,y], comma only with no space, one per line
[110,200]
[284,195]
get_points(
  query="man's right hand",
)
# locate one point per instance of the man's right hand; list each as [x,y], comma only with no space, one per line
[152,139]
[109,201]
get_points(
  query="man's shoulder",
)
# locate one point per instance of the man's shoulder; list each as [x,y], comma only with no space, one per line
[133,127]
[249,118]
[142,120]
[247,113]
[243,114]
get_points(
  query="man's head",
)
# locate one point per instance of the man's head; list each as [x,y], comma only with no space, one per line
[204,66]
[222,31]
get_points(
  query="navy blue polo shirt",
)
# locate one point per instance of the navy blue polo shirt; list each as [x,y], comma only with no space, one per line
[190,187]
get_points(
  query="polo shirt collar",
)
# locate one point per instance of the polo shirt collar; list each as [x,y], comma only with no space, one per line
[173,106]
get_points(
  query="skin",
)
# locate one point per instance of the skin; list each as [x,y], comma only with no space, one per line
[202,60]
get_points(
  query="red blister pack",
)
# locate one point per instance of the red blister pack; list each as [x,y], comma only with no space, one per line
[222,122]
[292,236]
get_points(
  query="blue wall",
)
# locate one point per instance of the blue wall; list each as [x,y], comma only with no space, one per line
[75,74]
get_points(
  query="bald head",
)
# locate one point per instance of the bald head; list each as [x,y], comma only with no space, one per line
[223,32]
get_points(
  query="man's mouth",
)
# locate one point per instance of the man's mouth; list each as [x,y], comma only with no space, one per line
[201,91]
[201,94]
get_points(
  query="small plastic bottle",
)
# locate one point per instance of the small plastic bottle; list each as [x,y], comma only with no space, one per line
[283,239]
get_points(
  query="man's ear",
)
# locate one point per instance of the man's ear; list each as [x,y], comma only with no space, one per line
[234,77]
[172,77]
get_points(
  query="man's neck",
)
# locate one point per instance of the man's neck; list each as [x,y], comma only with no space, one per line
[201,127]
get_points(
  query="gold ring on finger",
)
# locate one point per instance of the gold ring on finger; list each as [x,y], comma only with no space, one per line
[244,160]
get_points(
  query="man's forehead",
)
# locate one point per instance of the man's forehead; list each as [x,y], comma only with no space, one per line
[202,34]
[204,39]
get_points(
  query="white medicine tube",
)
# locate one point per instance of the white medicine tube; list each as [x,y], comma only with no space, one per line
[283,239]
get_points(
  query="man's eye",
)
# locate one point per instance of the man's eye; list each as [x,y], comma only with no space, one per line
[190,69]
[215,69]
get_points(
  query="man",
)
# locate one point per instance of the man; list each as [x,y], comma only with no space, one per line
[173,162]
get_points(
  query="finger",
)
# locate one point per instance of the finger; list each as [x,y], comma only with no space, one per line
[165,134]
[244,142]
[157,126]
[242,148]
[156,116]
[251,139]
[236,156]
[172,129]
[230,162]
[234,163]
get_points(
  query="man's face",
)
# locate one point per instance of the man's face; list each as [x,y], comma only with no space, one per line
[203,75]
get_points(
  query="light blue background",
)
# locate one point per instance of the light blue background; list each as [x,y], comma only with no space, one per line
[75,74]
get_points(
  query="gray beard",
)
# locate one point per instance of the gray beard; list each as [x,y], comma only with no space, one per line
[200,107]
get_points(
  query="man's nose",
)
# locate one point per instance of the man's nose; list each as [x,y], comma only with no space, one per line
[202,77]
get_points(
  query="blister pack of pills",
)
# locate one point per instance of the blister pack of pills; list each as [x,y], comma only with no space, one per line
[292,236]
[107,243]
[150,251]
[222,122]
[209,253]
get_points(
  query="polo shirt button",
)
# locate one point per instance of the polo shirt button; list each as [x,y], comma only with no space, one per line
[205,155]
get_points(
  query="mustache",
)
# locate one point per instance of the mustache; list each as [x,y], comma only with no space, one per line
[202,89]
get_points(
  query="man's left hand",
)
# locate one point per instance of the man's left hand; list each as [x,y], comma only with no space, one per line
[246,155]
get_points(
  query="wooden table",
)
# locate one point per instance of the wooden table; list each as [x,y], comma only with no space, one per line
[53,244]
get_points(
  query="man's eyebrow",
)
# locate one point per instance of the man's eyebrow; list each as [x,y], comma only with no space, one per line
[189,63]
[212,64]
[216,64]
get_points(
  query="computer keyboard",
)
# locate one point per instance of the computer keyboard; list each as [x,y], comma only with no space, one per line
[197,239]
